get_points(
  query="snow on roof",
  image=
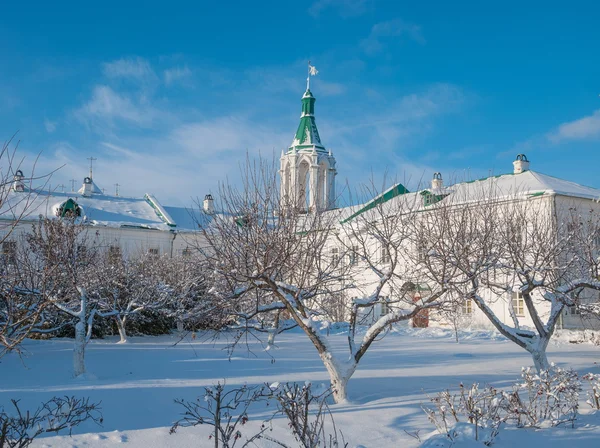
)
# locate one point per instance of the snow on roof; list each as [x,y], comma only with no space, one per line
[528,183]
[187,218]
[98,209]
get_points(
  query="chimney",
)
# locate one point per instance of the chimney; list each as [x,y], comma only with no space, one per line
[86,189]
[521,164]
[18,184]
[209,204]
[437,183]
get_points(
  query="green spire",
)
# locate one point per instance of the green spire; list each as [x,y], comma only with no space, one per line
[307,135]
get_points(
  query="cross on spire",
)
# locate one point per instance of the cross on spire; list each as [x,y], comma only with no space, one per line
[91,159]
[312,71]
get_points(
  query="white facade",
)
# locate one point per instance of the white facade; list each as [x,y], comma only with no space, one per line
[129,226]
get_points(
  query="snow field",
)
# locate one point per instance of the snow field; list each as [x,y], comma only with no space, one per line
[137,383]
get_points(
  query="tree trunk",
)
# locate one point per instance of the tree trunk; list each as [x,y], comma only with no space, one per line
[273,332]
[271,339]
[121,328]
[79,349]
[339,374]
[538,353]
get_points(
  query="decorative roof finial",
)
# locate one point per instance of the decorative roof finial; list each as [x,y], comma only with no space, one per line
[312,71]
[91,159]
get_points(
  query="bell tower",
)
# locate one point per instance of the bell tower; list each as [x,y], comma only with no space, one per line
[307,170]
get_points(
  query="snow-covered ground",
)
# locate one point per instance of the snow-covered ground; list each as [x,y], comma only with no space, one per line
[137,383]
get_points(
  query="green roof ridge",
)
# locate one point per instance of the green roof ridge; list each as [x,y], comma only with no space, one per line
[391,193]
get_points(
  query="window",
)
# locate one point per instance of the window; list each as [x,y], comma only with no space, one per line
[187,252]
[518,303]
[385,255]
[421,249]
[385,306]
[335,255]
[153,251]
[353,256]
[467,306]
[9,251]
[572,310]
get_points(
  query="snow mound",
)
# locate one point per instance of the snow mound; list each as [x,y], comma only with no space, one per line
[461,435]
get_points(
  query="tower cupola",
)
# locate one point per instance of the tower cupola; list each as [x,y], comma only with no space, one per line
[209,204]
[521,164]
[437,183]
[18,184]
[307,168]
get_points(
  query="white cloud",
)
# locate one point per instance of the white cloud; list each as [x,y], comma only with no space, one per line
[49,125]
[177,74]
[106,106]
[585,128]
[228,134]
[134,68]
[395,28]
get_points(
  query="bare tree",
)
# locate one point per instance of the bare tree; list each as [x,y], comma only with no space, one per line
[123,288]
[62,263]
[261,242]
[21,310]
[19,428]
[509,251]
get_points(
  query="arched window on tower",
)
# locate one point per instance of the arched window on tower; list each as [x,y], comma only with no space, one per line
[322,185]
[303,190]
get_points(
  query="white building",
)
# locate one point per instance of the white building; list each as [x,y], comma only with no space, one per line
[308,182]
[128,226]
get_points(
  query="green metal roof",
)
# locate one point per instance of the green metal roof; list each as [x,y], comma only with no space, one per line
[396,190]
[307,135]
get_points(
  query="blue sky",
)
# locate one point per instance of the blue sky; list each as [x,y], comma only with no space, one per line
[168,96]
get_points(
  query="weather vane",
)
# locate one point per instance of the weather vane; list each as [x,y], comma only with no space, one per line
[312,71]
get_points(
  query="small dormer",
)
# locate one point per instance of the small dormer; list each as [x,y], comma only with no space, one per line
[437,183]
[18,184]
[69,209]
[209,204]
[521,164]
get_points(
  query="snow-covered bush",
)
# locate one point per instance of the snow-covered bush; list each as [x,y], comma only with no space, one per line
[483,408]
[594,392]
[308,415]
[19,428]
[549,398]
[226,410]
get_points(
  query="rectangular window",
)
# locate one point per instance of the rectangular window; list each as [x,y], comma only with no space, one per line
[9,251]
[353,256]
[153,251]
[335,256]
[467,306]
[518,303]
[385,255]
[421,249]
[385,306]
[187,252]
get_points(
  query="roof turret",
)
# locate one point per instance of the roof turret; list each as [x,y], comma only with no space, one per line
[307,135]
